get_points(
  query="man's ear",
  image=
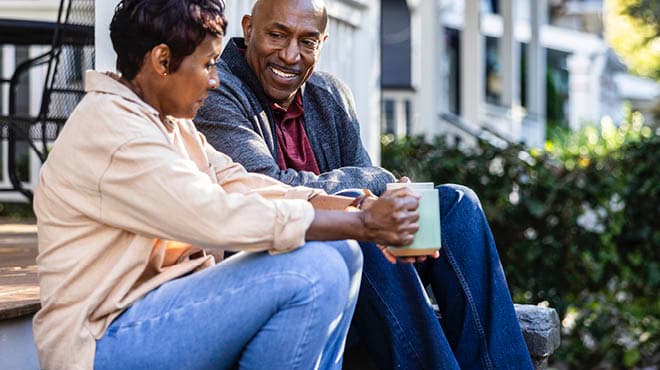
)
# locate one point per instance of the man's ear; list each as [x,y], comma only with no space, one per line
[246,23]
[160,59]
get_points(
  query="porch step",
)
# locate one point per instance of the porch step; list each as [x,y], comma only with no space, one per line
[19,288]
[19,296]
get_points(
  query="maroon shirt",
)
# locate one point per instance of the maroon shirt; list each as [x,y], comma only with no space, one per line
[293,148]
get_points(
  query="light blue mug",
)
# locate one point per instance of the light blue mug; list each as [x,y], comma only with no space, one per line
[427,239]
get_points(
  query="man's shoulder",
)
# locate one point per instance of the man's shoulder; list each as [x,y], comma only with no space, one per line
[229,79]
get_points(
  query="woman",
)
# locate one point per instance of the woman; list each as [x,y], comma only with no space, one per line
[130,195]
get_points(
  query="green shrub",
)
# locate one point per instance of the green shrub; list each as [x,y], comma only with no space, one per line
[16,212]
[577,225]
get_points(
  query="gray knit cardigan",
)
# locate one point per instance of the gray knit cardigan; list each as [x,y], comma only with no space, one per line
[237,120]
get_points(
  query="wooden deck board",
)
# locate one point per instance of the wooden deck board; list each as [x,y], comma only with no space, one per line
[19,287]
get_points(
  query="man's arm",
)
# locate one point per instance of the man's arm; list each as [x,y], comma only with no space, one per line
[233,126]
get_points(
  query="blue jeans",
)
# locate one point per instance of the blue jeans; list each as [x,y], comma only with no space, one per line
[254,310]
[478,328]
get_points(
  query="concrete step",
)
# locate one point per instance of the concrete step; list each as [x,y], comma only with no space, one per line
[19,296]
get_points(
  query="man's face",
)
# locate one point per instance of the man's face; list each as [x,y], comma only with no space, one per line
[283,39]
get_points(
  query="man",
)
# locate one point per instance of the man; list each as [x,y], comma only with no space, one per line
[275,115]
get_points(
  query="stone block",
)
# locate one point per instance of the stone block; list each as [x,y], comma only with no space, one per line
[541,329]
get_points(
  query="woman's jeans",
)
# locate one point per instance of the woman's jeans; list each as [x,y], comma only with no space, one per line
[478,328]
[254,310]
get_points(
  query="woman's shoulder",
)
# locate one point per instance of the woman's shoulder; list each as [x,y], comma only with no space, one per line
[113,118]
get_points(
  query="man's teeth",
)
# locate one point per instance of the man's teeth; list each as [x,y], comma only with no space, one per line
[282,73]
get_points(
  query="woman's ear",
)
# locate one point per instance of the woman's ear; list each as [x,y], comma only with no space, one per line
[160,59]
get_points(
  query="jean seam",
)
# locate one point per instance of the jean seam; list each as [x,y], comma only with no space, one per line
[298,358]
[470,300]
[411,347]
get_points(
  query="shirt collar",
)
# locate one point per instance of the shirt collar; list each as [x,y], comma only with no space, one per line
[295,109]
[108,83]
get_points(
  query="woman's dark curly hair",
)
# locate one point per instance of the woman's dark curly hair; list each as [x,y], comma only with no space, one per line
[139,25]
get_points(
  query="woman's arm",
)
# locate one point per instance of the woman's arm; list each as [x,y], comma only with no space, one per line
[389,220]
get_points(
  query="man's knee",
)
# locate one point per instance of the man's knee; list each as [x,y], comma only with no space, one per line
[453,195]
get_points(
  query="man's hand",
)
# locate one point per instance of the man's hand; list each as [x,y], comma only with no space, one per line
[393,259]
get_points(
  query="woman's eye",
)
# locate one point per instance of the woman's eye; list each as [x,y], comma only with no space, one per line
[211,64]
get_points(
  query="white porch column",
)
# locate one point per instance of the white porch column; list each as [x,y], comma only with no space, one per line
[426,47]
[537,61]
[400,117]
[472,63]
[8,61]
[579,90]
[104,54]
[509,55]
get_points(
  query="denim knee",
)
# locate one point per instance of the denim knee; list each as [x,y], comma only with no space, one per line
[328,273]
[351,253]
[454,197]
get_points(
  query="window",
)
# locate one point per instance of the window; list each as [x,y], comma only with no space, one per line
[409,125]
[388,117]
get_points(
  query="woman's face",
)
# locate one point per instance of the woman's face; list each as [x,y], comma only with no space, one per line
[186,89]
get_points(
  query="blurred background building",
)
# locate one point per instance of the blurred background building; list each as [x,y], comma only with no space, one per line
[501,68]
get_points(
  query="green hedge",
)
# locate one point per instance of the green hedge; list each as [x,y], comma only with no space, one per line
[577,226]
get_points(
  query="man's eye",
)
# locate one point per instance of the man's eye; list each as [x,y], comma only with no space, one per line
[310,44]
[276,35]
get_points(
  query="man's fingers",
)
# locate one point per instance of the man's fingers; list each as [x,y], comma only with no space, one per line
[388,256]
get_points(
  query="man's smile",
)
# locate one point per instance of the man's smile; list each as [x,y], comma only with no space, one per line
[283,73]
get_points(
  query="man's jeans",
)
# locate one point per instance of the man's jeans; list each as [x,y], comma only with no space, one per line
[479,326]
[288,311]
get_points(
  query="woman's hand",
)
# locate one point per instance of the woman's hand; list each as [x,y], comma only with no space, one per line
[392,218]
